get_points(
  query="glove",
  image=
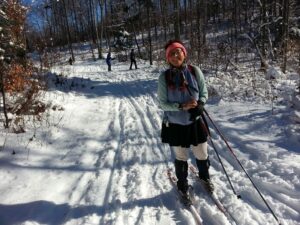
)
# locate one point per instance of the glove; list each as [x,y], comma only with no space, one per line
[196,112]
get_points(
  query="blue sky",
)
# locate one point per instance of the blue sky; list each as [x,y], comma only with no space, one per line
[30,2]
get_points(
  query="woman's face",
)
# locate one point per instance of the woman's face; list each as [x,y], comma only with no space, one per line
[176,57]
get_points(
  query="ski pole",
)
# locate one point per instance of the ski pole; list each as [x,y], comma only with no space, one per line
[218,155]
[254,185]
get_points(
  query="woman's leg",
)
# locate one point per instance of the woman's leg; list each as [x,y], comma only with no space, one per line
[202,160]
[181,154]
[181,168]
[201,155]
[200,151]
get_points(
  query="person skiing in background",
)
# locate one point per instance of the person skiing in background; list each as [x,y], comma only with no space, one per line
[182,94]
[108,60]
[132,59]
[70,61]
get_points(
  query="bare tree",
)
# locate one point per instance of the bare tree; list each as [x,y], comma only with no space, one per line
[149,9]
[68,30]
[177,19]
[285,32]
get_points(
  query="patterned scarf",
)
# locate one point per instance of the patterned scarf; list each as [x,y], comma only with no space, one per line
[176,77]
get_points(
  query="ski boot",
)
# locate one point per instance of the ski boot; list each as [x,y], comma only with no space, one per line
[203,166]
[208,185]
[187,197]
[181,169]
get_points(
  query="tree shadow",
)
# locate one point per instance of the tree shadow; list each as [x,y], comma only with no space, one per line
[99,88]
[77,168]
[47,212]
[262,122]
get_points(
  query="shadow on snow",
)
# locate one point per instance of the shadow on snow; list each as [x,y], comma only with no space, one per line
[46,212]
[99,88]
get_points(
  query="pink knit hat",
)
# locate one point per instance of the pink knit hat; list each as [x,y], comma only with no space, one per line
[174,46]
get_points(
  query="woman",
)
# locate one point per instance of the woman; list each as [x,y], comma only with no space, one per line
[182,93]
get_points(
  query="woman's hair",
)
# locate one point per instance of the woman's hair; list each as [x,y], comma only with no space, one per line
[171,42]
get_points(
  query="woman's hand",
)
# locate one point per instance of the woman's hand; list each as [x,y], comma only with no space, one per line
[189,105]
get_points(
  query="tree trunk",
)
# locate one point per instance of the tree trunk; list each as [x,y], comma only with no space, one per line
[6,122]
[101,29]
[263,21]
[68,31]
[163,14]
[97,32]
[286,33]
[186,29]
[149,34]
[198,31]
[136,41]
[75,20]
[235,21]
[204,22]
[177,20]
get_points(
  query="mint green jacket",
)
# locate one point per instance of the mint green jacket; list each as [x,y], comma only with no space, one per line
[170,105]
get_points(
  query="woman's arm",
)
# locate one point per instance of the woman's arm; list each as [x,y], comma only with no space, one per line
[203,93]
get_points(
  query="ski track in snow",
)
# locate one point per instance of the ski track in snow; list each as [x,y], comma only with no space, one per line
[107,166]
[127,188]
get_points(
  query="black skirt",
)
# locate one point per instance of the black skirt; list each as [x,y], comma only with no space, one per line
[184,135]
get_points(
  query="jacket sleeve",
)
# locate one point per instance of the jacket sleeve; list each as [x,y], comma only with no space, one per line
[163,96]
[203,93]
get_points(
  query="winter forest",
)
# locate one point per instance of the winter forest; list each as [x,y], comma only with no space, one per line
[80,144]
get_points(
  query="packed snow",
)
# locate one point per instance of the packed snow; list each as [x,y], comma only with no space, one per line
[97,157]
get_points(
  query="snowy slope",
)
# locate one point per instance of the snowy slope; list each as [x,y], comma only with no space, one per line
[100,159]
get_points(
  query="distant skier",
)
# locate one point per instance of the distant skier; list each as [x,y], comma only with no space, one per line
[132,59]
[182,94]
[70,61]
[108,60]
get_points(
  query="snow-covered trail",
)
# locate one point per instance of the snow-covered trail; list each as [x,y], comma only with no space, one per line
[103,162]
[130,159]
